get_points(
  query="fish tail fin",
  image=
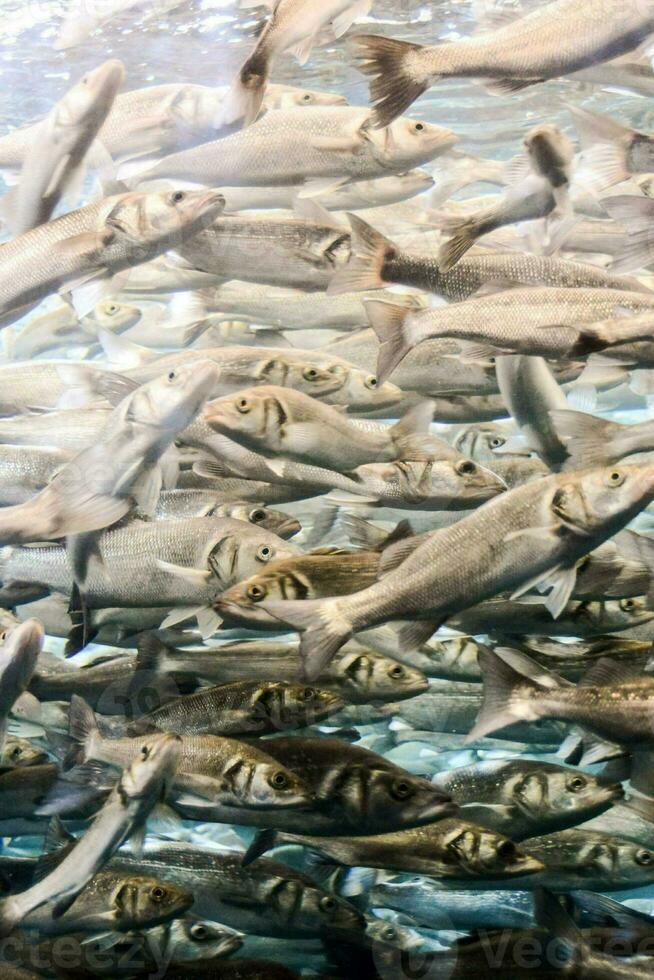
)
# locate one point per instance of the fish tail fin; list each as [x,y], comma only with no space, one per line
[454,249]
[394,83]
[264,841]
[370,251]
[82,729]
[606,143]
[323,630]
[152,655]
[586,437]
[388,320]
[550,914]
[243,100]
[502,703]
[637,215]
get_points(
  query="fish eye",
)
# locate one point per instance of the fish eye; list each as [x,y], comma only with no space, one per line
[576,783]
[279,780]
[466,467]
[644,857]
[256,516]
[256,593]
[506,849]
[615,478]
[308,694]
[389,933]
[178,197]
[171,375]
[16,752]
[306,97]
[309,374]
[400,789]
[418,128]
[145,752]
[327,903]
[371,381]
[396,672]
[496,442]
[158,893]
[627,605]
[111,309]
[264,553]
[243,406]
[198,931]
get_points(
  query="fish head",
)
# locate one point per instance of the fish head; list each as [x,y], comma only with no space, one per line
[483,442]
[381,931]
[359,390]
[604,498]
[458,652]
[149,223]
[410,183]
[18,753]
[276,521]
[151,774]
[191,939]
[115,316]
[141,900]
[557,791]
[305,374]
[290,97]
[301,705]
[171,401]
[408,142]
[320,911]
[550,153]
[269,784]
[365,676]
[248,415]
[473,482]
[613,614]
[395,798]
[93,95]
[481,852]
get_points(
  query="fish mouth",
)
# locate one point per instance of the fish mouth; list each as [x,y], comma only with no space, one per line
[288,528]
[525,864]
[209,205]
[230,945]
[612,791]
[439,809]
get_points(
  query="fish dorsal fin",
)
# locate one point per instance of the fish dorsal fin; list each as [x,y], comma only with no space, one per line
[607,671]
[531,669]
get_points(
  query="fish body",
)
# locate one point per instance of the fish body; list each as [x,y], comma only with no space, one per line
[25,471]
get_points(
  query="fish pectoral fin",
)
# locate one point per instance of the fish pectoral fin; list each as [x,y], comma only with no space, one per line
[302,50]
[87,292]
[305,436]
[194,576]
[208,621]
[533,532]
[147,489]
[104,941]
[562,583]
[321,185]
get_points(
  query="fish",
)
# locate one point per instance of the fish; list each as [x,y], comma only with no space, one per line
[25,471]
[611,700]
[240,897]
[293,25]
[56,159]
[217,769]
[543,44]
[360,675]
[376,261]
[451,848]
[326,145]
[508,527]
[587,859]
[612,152]
[124,813]
[587,436]
[491,444]
[288,423]
[94,244]
[523,798]
[81,20]
[18,656]
[96,488]
[531,392]
[497,324]
[241,708]
[52,331]
[429,904]
[18,753]
[579,617]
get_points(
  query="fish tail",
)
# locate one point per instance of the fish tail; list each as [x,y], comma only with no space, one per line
[82,729]
[550,914]
[454,249]
[152,655]
[388,320]
[243,100]
[323,627]
[587,438]
[502,704]
[637,215]
[263,842]
[394,84]
[370,251]
[606,143]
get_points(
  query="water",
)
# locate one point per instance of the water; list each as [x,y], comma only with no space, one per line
[205,42]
